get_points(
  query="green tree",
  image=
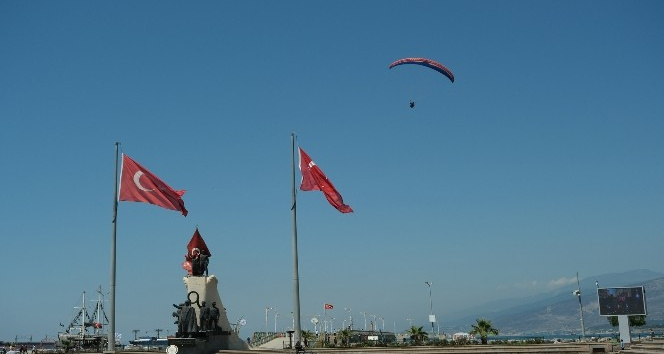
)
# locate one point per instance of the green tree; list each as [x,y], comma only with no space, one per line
[634,321]
[344,335]
[308,336]
[417,334]
[483,328]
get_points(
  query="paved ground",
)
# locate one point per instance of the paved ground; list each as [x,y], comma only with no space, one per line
[277,343]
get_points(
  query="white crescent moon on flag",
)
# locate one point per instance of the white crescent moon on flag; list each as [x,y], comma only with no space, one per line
[137,181]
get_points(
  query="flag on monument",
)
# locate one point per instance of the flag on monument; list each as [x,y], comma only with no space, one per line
[196,259]
[137,184]
[197,243]
[313,179]
[328,306]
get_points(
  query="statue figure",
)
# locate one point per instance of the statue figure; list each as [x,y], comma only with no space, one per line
[205,317]
[214,317]
[204,259]
[199,263]
[197,258]
[187,321]
[178,315]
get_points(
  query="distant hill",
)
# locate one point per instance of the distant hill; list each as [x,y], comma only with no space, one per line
[558,311]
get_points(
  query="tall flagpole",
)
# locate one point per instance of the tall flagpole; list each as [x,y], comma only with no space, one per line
[296,276]
[111,327]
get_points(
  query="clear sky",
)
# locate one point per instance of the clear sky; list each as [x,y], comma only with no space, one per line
[544,158]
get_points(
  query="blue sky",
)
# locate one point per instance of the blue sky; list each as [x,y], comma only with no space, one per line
[544,158]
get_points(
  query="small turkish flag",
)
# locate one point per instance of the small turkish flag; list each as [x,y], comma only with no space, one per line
[329,306]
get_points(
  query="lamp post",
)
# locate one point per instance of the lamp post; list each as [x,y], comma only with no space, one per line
[276,314]
[365,319]
[314,321]
[577,292]
[410,322]
[432,318]
[350,318]
[266,310]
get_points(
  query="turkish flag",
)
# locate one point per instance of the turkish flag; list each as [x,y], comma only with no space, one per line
[328,306]
[196,259]
[197,243]
[313,179]
[137,184]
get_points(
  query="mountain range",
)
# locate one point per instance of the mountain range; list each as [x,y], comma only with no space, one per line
[557,312]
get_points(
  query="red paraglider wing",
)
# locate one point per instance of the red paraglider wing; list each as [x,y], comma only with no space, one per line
[425,62]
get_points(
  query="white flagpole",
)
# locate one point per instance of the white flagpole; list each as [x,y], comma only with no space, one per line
[296,276]
[111,327]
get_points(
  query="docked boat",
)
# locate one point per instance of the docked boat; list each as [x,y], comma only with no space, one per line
[86,329]
[148,343]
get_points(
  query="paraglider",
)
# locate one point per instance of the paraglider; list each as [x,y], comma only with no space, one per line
[425,62]
[432,64]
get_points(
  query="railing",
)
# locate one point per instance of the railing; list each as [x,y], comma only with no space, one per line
[260,338]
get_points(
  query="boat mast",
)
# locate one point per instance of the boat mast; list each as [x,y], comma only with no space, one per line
[98,319]
[84,317]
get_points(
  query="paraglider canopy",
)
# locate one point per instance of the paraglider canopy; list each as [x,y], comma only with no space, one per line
[425,62]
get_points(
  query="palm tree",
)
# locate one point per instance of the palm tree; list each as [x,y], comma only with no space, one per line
[417,334]
[307,336]
[345,335]
[483,328]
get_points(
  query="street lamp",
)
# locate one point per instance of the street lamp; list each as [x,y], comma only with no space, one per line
[266,310]
[577,293]
[410,322]
[275,320]
[432,317]
[350,318]
[365,319]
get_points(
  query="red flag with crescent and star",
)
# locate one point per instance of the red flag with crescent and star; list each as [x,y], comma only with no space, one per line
[195,248]
[137,184]
[197,245]
[313,179]
[328,307]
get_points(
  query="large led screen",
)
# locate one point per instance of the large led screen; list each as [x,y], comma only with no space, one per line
[621,301]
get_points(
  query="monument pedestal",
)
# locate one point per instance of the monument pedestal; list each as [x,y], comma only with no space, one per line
[199,289]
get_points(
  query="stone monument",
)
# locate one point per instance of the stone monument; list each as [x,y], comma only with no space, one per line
[194,337]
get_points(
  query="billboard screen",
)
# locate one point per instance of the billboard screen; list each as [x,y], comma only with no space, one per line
[621,301]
